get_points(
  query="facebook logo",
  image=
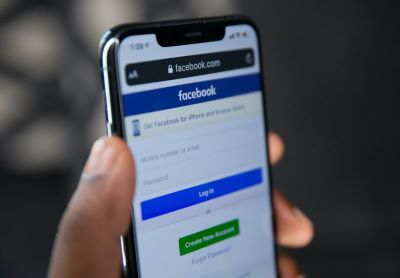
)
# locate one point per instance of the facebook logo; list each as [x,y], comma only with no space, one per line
[211,91]
[136,127]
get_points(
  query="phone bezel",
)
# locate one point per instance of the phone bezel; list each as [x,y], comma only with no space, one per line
[112,96]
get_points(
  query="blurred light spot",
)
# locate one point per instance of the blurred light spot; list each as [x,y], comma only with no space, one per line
[33,43]
[212,7]
[168,14]
[92,18]
[13,100]
[42,146]
[4,5]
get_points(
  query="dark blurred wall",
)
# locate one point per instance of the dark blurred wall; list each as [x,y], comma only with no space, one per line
[331,72]
[332,69]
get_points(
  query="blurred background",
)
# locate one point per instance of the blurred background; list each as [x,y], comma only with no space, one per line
[332,74]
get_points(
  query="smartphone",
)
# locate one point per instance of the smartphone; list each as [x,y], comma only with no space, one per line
[188,98]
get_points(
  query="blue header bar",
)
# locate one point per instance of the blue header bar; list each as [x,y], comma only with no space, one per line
[188,94]
[200,193]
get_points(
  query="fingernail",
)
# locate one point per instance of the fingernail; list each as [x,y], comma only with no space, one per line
[101,158]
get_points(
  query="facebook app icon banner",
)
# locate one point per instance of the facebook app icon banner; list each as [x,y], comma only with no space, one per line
[188,94]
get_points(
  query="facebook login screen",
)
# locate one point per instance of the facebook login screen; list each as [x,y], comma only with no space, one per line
[194,120]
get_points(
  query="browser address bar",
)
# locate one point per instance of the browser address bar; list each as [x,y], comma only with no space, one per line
[188,66]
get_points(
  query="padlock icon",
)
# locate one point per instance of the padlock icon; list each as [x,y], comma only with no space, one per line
[170,69]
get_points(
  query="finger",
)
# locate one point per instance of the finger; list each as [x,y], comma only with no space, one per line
[88,240]
[276,147]
[294,229]
[288,268]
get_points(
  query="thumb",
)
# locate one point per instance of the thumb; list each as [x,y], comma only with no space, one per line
[88,239]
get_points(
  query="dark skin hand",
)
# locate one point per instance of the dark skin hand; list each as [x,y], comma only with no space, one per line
[88,239]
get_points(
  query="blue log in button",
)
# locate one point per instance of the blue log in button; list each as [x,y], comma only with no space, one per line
[199,194]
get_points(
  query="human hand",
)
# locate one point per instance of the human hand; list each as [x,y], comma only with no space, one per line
[88,239]
[293,228]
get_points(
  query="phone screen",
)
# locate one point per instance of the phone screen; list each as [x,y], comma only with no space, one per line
[193,117]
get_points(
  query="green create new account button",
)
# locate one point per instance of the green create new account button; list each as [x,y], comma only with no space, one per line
[208,237]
